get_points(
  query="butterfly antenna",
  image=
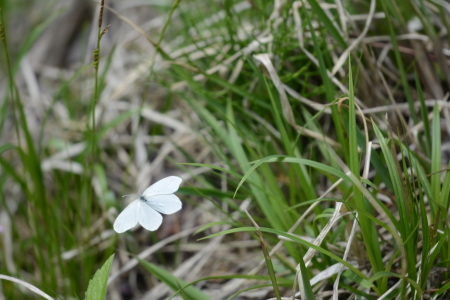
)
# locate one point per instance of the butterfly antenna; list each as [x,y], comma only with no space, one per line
[130,195]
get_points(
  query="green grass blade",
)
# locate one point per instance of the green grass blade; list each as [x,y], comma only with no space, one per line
[436,155]
[295,239]
[445,192]
[390,9]
[329,26]
[403,203]
[306,288]
[174,282]
[281,281]
[6,147]
[114,122]
[255,287]
[282,158]
[329,89]
[424,114]
[231,172]
[300,173]
[368,229]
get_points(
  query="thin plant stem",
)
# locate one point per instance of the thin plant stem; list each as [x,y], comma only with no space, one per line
[93,131]
[10,74]
[96,83]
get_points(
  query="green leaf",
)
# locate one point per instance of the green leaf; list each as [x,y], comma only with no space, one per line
[97,285]
[173,282]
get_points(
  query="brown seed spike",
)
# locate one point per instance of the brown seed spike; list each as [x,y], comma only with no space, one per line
[100,17]
[105,30]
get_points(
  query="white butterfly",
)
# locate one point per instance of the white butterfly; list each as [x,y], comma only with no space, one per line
[156,199]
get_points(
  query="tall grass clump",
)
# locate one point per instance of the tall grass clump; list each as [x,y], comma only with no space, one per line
[312,137]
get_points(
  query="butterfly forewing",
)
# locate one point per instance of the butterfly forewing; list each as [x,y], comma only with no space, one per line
[128,218]
[166,204]
[168,185]
[149,218]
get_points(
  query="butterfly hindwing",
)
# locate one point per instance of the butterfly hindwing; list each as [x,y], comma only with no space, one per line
[128,218]
[149,218]
[166,204]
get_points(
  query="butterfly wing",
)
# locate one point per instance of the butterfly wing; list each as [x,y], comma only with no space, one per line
[165,186]
[128,218]
[149,218]
[166,204]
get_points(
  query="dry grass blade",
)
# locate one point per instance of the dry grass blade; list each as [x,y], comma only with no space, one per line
[356,42]
[318,240]
[27,285]
[264,59]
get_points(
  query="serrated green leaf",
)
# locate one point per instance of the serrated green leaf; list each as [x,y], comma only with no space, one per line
[97,285]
